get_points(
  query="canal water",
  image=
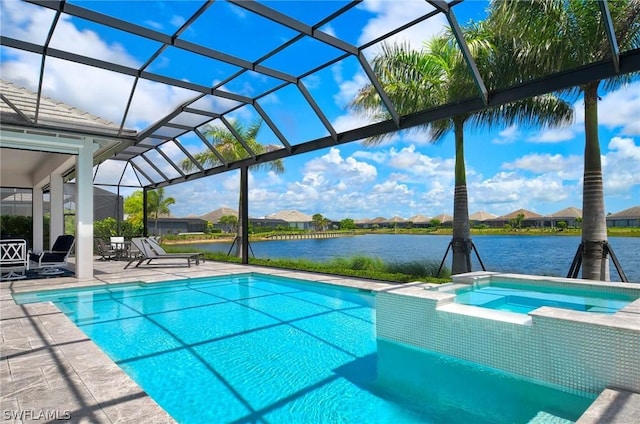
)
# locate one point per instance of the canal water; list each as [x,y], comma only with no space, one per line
[540,255]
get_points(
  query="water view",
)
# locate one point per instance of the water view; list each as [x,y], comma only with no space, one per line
[543,255]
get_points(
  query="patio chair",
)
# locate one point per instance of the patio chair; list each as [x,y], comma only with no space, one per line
[150,251]
[57,256]
[105,250]
[14,261]
[121,247]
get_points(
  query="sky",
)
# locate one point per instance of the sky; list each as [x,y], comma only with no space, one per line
[508,168]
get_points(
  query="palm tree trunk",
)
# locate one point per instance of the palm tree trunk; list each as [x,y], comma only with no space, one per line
[461,242]
[595,264]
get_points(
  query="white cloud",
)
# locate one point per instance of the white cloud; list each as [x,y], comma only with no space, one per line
[349,89]
[436,199]
[377,156]
[617,109]
[332,168]
[621,109]
[420,165]
[177,21]
[389,15]
[555,135]
[205,195]
[517,190]
[231,182]
[349,121]
[330,184]
[314,179]
[565,167]
[508,135]
[416,135]
[154,24]
[24,21]
[328,29]
[621,166]
[99,92]
[557,179]
[390,188]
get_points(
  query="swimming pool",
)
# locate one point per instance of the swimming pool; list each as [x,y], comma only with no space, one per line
[524,298]
[256,348]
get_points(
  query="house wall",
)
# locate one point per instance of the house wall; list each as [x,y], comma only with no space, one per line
[627,222]
[176,226]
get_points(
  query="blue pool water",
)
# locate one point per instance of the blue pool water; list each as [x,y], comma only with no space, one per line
[523,298]
[255,348]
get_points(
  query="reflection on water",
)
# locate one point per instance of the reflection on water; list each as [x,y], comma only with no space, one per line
[462,390]
[541,255]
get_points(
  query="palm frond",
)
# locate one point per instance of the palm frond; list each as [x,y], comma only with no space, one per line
[543,37]
[541,111]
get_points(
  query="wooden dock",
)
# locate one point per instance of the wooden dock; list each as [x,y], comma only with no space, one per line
[318,235]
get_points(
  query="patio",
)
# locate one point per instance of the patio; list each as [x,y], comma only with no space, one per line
[50,370]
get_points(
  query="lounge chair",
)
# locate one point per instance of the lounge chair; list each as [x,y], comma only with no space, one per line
[160,251]
[14,261]
[150,250]
[57,256]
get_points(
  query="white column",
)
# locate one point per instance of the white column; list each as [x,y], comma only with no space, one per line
[56,225]
[84,212]
[38,219]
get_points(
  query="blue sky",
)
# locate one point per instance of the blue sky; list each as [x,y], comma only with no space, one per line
[507,168]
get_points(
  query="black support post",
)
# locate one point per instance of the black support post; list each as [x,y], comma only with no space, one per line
[244,188]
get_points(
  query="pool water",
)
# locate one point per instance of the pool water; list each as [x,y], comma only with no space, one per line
[522,298]
[256,348]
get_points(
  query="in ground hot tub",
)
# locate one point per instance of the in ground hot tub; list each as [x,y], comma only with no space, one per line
[523,295]
[580,335]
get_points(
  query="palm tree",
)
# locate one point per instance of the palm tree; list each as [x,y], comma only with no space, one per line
[438,75]
[318,221]
[554,36]
[158,204]
[231,149]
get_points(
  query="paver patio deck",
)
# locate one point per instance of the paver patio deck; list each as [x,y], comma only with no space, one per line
[51,372]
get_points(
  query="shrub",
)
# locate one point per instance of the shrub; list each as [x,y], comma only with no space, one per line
[419,269]
[17,226]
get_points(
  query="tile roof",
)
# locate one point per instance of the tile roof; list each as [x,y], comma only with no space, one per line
[51,113]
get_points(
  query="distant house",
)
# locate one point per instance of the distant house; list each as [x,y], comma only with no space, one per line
[214,216]
[294,219]
[362,223]
[378,222]
[445,219]
[626,218]
[480,216]
[529,219]
[268,222]
[171,225]
[420,221]
[571,216]
[396,222]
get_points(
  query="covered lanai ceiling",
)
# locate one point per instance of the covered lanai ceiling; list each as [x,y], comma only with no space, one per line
[158,75]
